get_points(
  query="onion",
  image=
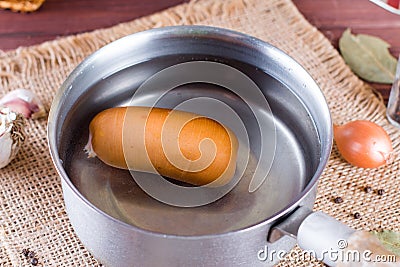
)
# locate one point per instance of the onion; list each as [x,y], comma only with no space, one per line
[363,143]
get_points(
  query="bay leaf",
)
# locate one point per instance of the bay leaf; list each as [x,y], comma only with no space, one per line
[368,57]
[390,240]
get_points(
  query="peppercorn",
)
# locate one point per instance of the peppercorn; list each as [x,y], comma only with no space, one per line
[367,189]
[34,261]
[380,192]
[31,254]
[25,252]
[338,200]
[357,215]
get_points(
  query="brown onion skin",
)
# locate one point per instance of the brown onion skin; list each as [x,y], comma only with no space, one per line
[363,143]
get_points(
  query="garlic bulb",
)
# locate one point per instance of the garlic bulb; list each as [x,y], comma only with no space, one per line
[25,102]
[12,135]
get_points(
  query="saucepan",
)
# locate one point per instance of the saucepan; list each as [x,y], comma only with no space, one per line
[258,91]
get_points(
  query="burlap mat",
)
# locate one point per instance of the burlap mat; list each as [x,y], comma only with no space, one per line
[32,213]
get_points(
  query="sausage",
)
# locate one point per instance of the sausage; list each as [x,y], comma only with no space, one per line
[180,145]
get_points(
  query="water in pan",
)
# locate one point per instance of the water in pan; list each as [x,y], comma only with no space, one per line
[115,192]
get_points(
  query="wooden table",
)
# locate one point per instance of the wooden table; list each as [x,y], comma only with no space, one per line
[64,17]
[332,17]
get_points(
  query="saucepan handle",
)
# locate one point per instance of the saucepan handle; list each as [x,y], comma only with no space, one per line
[331,241]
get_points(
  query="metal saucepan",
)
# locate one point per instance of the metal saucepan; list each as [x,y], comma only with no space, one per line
[124,226]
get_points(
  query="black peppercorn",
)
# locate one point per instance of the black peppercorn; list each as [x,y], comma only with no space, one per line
[34,261]
[357,215]
[31,254]
[380,192]
[338,200]
[367,189]
[25,252]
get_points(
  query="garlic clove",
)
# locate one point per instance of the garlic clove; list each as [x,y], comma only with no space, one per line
[19,106]
[12,135]
[5,150]
[25,102]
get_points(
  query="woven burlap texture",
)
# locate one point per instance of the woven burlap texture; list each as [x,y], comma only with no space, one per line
[32,213]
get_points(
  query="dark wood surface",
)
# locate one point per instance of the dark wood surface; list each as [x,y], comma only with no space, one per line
[332,17]
[57,18]
[64,17]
